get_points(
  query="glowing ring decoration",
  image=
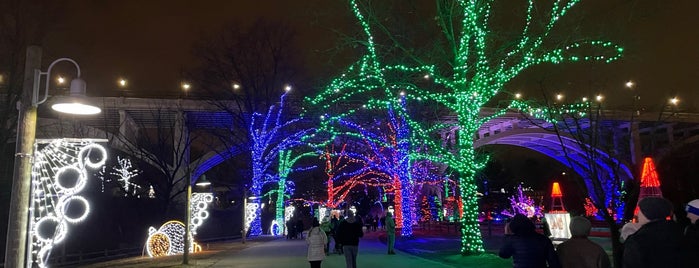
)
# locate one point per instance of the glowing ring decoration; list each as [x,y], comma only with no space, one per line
[60,233]
[88,163]
[60,208]
[208,198]
[196,222]
[276,230]
[201,205]
[203,214]
[79,185]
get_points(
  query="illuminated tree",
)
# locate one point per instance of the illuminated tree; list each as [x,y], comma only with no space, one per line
[122,173]
[270,136]
[477,69]
[287,159]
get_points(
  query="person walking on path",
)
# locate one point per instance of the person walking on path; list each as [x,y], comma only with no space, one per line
[335,223]
[390,233]
[316,240]
[659,242]
[527,247]
[327,229]
[349,232]
[579,251]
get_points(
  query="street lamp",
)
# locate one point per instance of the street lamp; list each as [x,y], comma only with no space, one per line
[16,245]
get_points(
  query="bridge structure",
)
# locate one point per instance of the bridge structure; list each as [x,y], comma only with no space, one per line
[629,136]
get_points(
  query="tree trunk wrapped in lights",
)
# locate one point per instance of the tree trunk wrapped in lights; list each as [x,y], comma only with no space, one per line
[477,71]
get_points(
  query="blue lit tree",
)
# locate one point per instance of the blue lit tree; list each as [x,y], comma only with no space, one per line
[478,66]
[271,135]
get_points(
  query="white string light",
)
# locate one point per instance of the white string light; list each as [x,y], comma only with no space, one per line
[56,165]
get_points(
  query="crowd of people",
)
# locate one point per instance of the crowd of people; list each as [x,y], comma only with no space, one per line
[656,240]
[345,231]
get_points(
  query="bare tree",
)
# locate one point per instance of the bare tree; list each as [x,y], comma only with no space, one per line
[164,141]
[595,145]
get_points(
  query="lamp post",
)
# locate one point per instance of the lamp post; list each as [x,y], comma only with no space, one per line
[16,253]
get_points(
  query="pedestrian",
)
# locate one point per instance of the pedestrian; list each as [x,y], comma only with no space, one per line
[527,247]
[375,222]
[382,221]
[349,232]
[335,223]
[579,251]
[390,233]
[658,242]
[299,228]
[316,240]
[290,232]
[691,231]
[325,226]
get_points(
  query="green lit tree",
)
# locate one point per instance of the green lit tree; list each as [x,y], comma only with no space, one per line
[477,66]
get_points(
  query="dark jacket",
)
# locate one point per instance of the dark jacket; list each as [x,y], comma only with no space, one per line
[655,244]
[580,252]
[691,234]
[349,232]
[529,250]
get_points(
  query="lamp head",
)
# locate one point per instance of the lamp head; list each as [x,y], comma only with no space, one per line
[203,181]
[76,103]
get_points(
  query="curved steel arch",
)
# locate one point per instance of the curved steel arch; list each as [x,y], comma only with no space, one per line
[548,143]
[212,159]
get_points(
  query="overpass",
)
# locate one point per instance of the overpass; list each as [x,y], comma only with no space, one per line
[124,120]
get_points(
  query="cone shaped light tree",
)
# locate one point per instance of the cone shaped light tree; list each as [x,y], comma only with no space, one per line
[477,71]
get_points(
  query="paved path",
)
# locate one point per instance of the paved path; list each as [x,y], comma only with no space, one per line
[292,254]
[283,253]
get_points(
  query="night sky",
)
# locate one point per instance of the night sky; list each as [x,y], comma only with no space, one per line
[149,43]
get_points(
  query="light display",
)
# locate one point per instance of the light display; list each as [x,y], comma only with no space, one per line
[124,171]
[276,229]
[590,209]
[284,187]
[557,198]
[168,240]
[288,214]
[558,219]
[199,204]
[250,214]
[650,183]
[559,224]
[478,72]
[269,135]
[522,204]
[59,175]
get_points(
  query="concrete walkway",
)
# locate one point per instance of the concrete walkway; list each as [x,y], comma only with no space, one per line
[281,253]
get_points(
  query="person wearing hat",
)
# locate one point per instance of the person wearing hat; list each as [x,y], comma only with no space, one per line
[325,226]
[579,251]
[527,247]
[691,231]
[659,242]
[390,233]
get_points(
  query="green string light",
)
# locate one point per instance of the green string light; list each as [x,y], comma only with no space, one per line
[477,73]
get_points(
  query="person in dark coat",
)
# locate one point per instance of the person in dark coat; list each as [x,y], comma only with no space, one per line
[527,248]
[659,242]
[335,223]
[349,232]
[691,231]
[299,228]
[579,251]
